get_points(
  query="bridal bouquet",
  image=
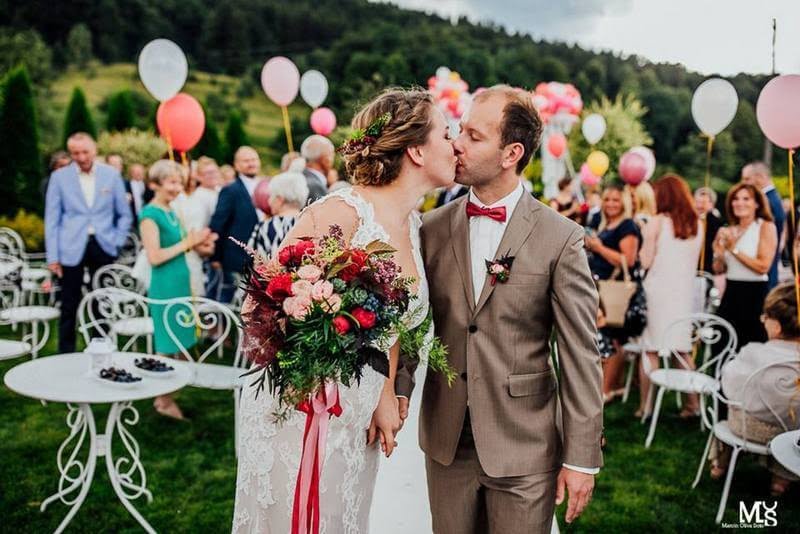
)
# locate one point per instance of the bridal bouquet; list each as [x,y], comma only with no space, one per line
[321,311]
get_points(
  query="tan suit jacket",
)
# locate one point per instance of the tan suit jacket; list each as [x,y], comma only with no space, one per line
[527,417]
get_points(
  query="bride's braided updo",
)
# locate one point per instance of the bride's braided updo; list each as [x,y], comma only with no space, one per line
[379,163]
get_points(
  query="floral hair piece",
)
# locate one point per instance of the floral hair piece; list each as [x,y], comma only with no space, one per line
[361,139]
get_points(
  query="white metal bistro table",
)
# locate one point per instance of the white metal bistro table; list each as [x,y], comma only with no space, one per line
[784,449]
[65,378]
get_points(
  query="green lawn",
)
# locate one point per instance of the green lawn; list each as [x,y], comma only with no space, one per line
[191,472]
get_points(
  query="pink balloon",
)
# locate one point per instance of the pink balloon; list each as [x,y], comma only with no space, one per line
[556,144]
[588,177]
[632,168]
[778,110]
[261,197]
[181,121]
[280,80]
[323,121]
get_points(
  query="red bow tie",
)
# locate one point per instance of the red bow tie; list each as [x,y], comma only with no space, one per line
[498,213]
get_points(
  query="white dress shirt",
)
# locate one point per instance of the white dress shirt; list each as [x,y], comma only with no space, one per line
[88,182]
[485,235]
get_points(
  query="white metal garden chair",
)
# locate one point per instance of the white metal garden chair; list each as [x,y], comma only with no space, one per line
[36,279]
[705,299]
[114,313]
[121,276]
[129,250]
[780,377]
[708,333]
[15,313]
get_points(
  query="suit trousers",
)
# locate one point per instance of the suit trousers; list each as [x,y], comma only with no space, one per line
[465,500]
[94,257]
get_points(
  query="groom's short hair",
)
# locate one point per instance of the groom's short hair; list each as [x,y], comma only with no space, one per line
[521,122]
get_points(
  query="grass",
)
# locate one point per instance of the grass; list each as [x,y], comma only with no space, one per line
[191,470]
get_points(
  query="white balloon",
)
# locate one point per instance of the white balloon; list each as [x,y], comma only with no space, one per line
[163,68]
[714,105]
[593,128]
[313,88]
[443,73]
[649,158]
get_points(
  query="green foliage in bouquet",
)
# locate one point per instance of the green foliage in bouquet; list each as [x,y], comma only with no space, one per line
[416,340]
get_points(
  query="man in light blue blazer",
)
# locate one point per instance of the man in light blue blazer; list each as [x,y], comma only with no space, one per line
[87,219]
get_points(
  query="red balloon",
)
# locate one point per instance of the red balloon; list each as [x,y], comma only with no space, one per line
[556,144]
[261,197]
[632,168]
[181,121]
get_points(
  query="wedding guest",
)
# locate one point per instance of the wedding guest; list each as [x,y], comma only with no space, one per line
[764,407]
[670,252]
[744,252]
[619,237]
[319,153]
[594,202]
[235,216]
[228,174]
[87,220]
[565,201]
[758,174]
[644,203]
[116,161]
[288,195]
[166,243]
[287,159]
[57,160]
[705,200]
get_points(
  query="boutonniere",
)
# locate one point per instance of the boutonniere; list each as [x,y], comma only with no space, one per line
[500,269]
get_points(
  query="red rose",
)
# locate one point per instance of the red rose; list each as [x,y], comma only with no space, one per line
[357,259]
[366,319]
[280,287]
[302,248]
[285,255]
[341,325]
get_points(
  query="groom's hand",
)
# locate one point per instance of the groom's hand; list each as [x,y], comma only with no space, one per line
[579,486]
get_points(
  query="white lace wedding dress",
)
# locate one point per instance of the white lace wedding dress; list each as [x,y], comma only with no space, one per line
[269,453]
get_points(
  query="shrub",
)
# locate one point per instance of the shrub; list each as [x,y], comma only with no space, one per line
[30,226]
[133,145]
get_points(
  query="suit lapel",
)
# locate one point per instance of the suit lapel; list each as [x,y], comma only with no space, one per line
[522,223]
[459,241]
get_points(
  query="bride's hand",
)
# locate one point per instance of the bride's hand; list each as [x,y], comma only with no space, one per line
[385,421]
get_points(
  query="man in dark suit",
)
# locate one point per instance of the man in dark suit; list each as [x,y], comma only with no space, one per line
[448,195]
[319,153]
[235,216]
[705,199]
[758,174]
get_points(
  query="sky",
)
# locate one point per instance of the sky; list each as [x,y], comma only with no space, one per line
[708,36]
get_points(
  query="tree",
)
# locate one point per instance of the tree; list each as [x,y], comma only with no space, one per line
[553,70]
[78,118]
[20,163]
[25,48]
[79,45]
[235,136]
[120,112]
[210,144]
[666,107]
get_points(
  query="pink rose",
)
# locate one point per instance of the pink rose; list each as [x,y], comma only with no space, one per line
[302,288]
[332,304]
[496,268]
[311,273]
[297,307]
[322,290]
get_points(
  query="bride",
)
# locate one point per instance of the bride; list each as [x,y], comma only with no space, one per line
[391,171]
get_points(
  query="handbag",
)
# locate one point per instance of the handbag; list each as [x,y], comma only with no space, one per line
[142,269]
[636,314]
[616,295]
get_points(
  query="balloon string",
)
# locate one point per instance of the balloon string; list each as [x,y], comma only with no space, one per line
[184,161]
[287,127]
[709,148]
[794,248]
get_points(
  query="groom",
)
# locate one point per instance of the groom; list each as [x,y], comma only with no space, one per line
[516,428]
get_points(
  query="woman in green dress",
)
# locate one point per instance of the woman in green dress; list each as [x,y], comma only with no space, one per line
[166,243]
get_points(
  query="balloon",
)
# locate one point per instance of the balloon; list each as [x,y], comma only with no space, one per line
[313,88]
[556,144]
[443,73]
[632,168]
[649,158]
[714,105]
[163,68]
[323,121]
[280,80]
[588,177]
[181,121]
[261,197]
[597,162]
[778,110]
[593,128]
